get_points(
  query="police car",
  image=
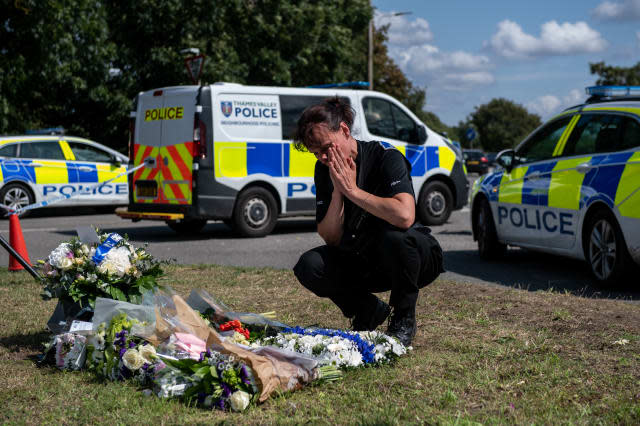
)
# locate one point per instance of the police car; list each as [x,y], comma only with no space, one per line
[571,188]
[35,168]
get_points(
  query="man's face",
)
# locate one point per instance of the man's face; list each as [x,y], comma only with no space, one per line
[325,139]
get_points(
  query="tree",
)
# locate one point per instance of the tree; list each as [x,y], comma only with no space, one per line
[616,76]
[54,67]
[502,124]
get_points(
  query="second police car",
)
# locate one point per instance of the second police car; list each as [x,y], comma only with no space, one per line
[572,187]
[38,168]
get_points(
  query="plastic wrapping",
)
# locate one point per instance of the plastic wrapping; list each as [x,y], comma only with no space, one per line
[106,309]
[275,370]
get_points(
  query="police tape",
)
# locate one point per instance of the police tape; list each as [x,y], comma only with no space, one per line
[149,162]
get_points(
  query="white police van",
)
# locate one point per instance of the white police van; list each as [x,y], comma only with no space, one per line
[224,152]
[572,187]
[47,164]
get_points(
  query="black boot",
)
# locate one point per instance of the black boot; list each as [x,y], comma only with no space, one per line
[403,325]
[369,318]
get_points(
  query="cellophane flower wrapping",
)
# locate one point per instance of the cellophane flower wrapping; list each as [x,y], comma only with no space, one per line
[125,273]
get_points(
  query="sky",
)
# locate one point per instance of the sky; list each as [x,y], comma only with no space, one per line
[537,54]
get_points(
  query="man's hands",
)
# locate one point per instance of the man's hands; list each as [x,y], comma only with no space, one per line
[342,171]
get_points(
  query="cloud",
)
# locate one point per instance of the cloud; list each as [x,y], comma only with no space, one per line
[547,105]
[555,39]
[638,36]
[403,32]
[625,10]
[448,70]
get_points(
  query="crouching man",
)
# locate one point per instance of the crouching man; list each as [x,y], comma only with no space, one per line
[365,211]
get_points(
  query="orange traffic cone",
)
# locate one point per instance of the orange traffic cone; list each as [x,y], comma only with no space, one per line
[17,242]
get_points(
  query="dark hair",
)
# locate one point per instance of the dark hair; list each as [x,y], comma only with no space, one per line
[331,112]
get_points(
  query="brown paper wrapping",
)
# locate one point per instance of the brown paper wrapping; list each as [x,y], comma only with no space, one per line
[271,373]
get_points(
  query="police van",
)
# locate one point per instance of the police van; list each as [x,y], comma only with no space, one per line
[35,168]
[571,188]
[224,152]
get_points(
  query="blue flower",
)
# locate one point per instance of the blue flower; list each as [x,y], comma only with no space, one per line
[366,349]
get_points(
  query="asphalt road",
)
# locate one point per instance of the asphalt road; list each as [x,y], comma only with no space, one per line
[216,244]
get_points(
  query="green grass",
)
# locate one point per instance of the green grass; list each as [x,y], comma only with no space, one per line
[482,355]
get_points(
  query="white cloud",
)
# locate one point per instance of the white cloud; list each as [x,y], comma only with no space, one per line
[625,10]
[448,70]
[403,32]
[547,105]
[555,39]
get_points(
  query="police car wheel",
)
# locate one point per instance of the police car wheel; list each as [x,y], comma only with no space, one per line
[187,226]
[434,204]
[488,245]
[605,248]
[16,195]
[255,214]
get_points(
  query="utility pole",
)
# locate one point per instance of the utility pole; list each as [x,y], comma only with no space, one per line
[370,56]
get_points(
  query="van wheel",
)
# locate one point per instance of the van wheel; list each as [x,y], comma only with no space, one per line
[14,196]
[187,226]
[435,203]
[255,214]
[488,245]
[605,249]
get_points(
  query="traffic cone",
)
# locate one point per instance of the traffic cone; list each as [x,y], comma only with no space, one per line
[17,242]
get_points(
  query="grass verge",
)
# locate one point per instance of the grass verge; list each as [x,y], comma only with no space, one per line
[482,354]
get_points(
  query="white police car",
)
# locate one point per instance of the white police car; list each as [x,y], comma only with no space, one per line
[35,168]
[572,187]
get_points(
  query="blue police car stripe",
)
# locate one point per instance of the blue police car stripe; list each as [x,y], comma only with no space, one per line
[18,170]
[491,182]
[536,191]
[604,181]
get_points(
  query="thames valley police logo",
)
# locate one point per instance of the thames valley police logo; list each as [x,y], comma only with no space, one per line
[226,108]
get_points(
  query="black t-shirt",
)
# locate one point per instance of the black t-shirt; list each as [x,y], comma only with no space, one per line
[381,171]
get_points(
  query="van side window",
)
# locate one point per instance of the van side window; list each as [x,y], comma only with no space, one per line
[84,152]
[388,121]
[46,150]
[292,107]
[9,150]
[631,135]
[593,134]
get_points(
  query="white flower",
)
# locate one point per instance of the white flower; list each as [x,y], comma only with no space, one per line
[621,342]
[239,400]
[133,360]
[148,352]
[85,249]
[116,262]
[65,263]
[239,338]
[61,252]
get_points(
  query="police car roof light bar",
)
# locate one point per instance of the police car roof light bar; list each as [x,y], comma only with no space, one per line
[49,131]
[354,84]
[613,91]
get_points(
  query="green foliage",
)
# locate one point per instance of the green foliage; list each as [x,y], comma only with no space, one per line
[502,124]
[610,75]
[56,56]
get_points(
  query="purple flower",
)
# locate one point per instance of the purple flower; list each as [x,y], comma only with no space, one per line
[122,352]
[244,375]
[202,355]
[220,404]
[145,366]
[226,390]
[132,345]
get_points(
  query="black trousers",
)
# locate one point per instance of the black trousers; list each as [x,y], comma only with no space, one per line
[400,261]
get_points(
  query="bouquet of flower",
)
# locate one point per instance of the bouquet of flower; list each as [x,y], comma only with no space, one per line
[68,351]
[114,353]
[113,268]
[338,348]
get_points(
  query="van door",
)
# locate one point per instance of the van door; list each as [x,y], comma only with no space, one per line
[164,131]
